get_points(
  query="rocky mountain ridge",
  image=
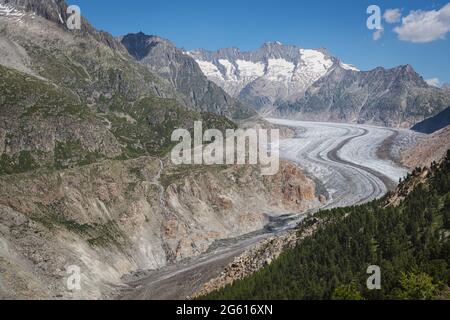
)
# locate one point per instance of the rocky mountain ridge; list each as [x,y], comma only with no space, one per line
[397,97]
[267,76]
[76,97]
[52,10]
[291,82]
[161,57]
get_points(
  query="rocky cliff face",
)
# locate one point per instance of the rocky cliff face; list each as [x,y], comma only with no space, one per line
[117,217]
[396,97]
[53,10]
[171,63]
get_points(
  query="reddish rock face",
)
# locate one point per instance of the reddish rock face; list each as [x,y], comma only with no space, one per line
[294,187]
[231,201]
[224,202]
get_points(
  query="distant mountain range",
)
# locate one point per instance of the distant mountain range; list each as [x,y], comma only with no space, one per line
[276,79]
[292,82]
[269,76]
[396,97]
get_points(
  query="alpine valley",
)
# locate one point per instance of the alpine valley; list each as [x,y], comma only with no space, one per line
[87,182]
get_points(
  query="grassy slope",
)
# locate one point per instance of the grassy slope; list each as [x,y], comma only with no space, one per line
[93,102]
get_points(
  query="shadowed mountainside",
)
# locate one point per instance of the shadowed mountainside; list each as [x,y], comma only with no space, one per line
[433,124]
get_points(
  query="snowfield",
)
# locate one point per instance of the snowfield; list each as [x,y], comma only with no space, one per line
[343,158]
[296,76]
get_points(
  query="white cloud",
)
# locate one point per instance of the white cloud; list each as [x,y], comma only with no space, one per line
[425,26]
[392,15]
[377,34]
[433,82]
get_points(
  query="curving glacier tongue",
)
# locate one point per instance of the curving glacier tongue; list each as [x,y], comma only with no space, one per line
[344,158]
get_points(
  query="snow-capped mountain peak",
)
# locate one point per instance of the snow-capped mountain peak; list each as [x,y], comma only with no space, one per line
[273,73]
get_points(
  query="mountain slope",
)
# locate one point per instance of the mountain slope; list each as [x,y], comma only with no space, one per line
[396,97]
[52,10]
[169,62]
[433,124]
[77,97]
[116,217]
[84,176]
[431,148]
[409,241]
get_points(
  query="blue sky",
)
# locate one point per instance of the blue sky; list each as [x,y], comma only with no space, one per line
[339,26]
